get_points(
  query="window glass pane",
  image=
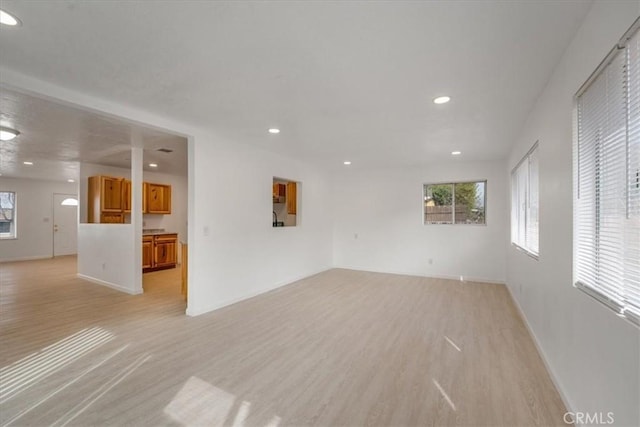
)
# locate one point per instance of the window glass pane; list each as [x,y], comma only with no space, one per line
[470,202]
[524,203]
[607,160]
[438,204]
[7,215]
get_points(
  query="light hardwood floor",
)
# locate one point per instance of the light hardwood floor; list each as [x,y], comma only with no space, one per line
[339,348]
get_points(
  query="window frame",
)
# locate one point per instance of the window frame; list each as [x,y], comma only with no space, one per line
[522,246]
[14,221]
[599,292]
[453,205]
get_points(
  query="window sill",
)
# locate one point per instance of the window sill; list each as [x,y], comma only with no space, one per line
[614,306]
[526,251]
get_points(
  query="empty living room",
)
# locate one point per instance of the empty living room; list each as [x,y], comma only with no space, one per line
[329,213]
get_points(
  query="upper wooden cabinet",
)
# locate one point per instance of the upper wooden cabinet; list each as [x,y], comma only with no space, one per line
[292,198]
[109,198]
[105,200]
[158,198]
[126,195]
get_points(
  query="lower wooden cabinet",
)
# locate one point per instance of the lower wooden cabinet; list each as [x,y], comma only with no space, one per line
[159,251]
[147,252]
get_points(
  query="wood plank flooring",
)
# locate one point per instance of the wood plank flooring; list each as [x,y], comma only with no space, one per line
[343,348]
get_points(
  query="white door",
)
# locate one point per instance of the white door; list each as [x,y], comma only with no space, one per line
[65,224]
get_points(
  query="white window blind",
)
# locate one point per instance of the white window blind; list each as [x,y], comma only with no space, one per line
[524,203]
[607,181]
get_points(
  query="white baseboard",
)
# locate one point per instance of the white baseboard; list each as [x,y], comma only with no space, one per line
[25,258]
[109,284]
[191,311]
[434,276]
[543,356]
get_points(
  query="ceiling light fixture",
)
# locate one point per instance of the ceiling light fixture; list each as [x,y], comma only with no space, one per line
[8,19]
[28,163]
[441,100]
[456,153]
[347,163]
[71,180]
[153,165]
[7,134]
[274,131]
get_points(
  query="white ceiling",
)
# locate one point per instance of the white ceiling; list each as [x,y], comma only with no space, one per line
[57,137]
[342,80]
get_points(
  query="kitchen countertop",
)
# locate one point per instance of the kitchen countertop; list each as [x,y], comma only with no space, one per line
[153,232]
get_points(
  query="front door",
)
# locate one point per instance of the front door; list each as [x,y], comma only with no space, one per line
[65,224]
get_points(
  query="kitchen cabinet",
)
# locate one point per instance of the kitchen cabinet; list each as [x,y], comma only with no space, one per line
[147,252]
[105,200]
[126,196]
[158,198]
[159,251]
[279,192]
[292,198]
[109,198]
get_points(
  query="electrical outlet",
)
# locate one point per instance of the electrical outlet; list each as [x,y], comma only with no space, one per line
[355,236]
[430,261]
[104,265]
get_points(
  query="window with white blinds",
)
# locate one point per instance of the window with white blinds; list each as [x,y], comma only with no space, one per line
[524,203]
[607,181]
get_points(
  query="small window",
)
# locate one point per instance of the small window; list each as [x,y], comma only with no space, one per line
[455,203]
[524,203]
[7,215]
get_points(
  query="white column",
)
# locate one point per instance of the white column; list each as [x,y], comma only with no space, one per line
[137,158]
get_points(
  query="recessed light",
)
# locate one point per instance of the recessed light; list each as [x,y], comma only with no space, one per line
[8,19]
[347,163]
[274,130]
[71,180]
[7,134]
[456,153]
[28,163]
[153,165]
[441,100]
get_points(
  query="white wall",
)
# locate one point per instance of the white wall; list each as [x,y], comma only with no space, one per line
[236,252]
[593,355]
[106,256]
[34,216]
[385,209]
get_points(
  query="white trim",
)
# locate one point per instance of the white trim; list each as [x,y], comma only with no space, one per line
[554,378]
[193,311]
[109,284]
[25,258]
[432,276]
[526,251]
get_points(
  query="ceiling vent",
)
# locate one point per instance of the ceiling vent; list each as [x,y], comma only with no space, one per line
[165,150]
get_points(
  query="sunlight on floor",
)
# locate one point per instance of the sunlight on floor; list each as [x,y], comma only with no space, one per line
[200,403]
[65,386]
[450,341]
[444,394]
[22,374]
[78,409]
